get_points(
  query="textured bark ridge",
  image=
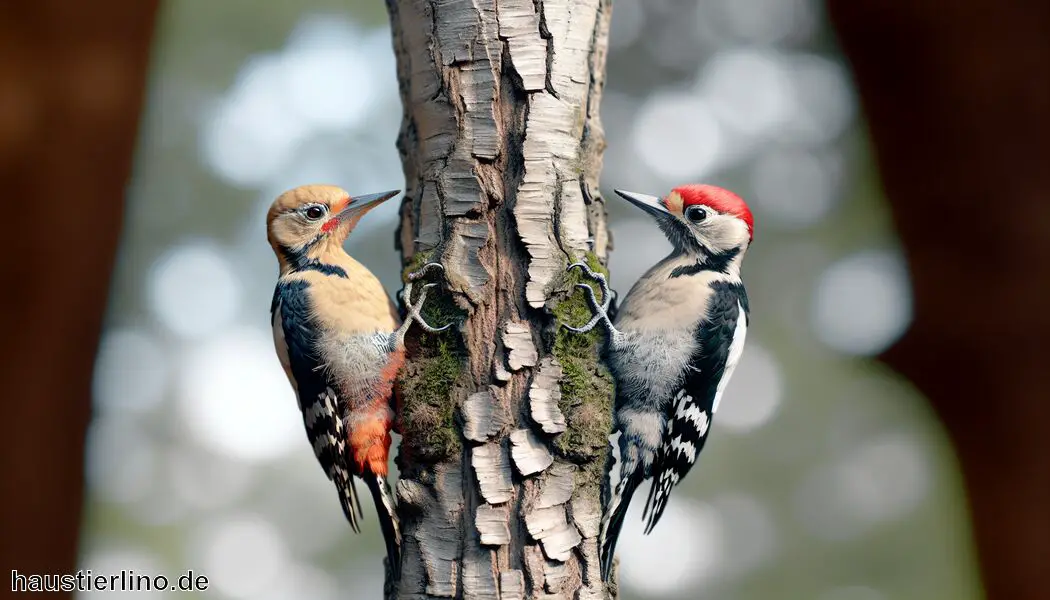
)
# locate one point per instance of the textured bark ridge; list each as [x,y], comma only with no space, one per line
[505,418]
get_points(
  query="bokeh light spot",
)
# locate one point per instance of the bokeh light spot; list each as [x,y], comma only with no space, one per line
[325,102]
[677,136]
[135,562]
[131,371]
[205,481]
[881,480]
[252,131]
[862,303]
[307,582]
[243,556]
[194,290]
[121,460]
[685,548]
[823,100]
[750,535]
[749,90]
[754,392]
[794,187]
[236,399]
[770,21]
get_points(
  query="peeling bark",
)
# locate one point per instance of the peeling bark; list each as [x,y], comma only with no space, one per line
[529,453]
[493,472]
[521,352]
[493,524]
[501,145]
[483,416]
[544,397]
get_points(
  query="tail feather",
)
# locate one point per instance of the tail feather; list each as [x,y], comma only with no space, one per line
[659,493]
[686,435]
[348,499]
[388,523]
[615,513]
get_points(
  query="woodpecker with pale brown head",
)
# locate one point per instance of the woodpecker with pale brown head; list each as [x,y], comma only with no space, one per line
[672,347]
[341,343]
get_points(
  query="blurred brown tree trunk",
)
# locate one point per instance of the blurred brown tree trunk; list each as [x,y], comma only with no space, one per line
[505,421]
[957,95]
[72,76]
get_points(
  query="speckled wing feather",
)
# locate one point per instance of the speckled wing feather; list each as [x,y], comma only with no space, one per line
[321,407]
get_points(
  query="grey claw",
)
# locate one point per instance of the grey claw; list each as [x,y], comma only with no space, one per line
[415,275]
[418,306]
[586,328]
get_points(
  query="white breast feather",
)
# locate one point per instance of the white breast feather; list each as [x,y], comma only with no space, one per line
[736,348]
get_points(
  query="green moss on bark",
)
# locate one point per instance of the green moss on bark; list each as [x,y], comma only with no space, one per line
[428,381]
[586,385]
[429,404]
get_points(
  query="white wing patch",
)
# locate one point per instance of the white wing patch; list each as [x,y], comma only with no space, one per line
[736,349]
[688,410]
[683,447]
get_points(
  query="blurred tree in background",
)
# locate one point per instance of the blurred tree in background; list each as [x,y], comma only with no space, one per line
[958,100]
[828,477]
[71,84]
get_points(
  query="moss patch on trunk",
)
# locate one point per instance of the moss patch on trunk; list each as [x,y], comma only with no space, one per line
[428,382]
[586,384]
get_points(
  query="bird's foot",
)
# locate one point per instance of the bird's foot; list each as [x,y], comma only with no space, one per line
[417,275]
[599,278]
[413,310]
[601,309]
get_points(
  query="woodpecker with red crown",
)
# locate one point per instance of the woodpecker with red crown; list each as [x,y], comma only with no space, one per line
[673,344]
[341,343]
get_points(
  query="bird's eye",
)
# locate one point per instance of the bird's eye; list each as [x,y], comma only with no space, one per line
[314,212]
[695,214]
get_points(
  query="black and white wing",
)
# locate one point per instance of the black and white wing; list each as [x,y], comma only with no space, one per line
[720,342]
[296,340]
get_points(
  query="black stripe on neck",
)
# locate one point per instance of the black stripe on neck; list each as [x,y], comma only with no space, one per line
[708,261]
[301,262]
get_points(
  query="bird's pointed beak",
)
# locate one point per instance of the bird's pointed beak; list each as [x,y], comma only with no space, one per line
[359,205]
[650,204]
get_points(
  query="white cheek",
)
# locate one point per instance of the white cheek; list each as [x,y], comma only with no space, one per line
[727,232]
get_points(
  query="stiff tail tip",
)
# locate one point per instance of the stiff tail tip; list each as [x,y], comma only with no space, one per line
[386,511]
[659,494]
[613,523]
[348,498]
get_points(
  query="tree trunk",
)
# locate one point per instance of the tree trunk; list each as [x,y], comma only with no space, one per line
[504,420]
[959,107]
[71,85]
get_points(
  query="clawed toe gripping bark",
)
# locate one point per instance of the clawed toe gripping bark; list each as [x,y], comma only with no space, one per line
[413,309]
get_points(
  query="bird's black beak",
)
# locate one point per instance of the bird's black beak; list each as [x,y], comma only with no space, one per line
[359,205]
[650,204]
